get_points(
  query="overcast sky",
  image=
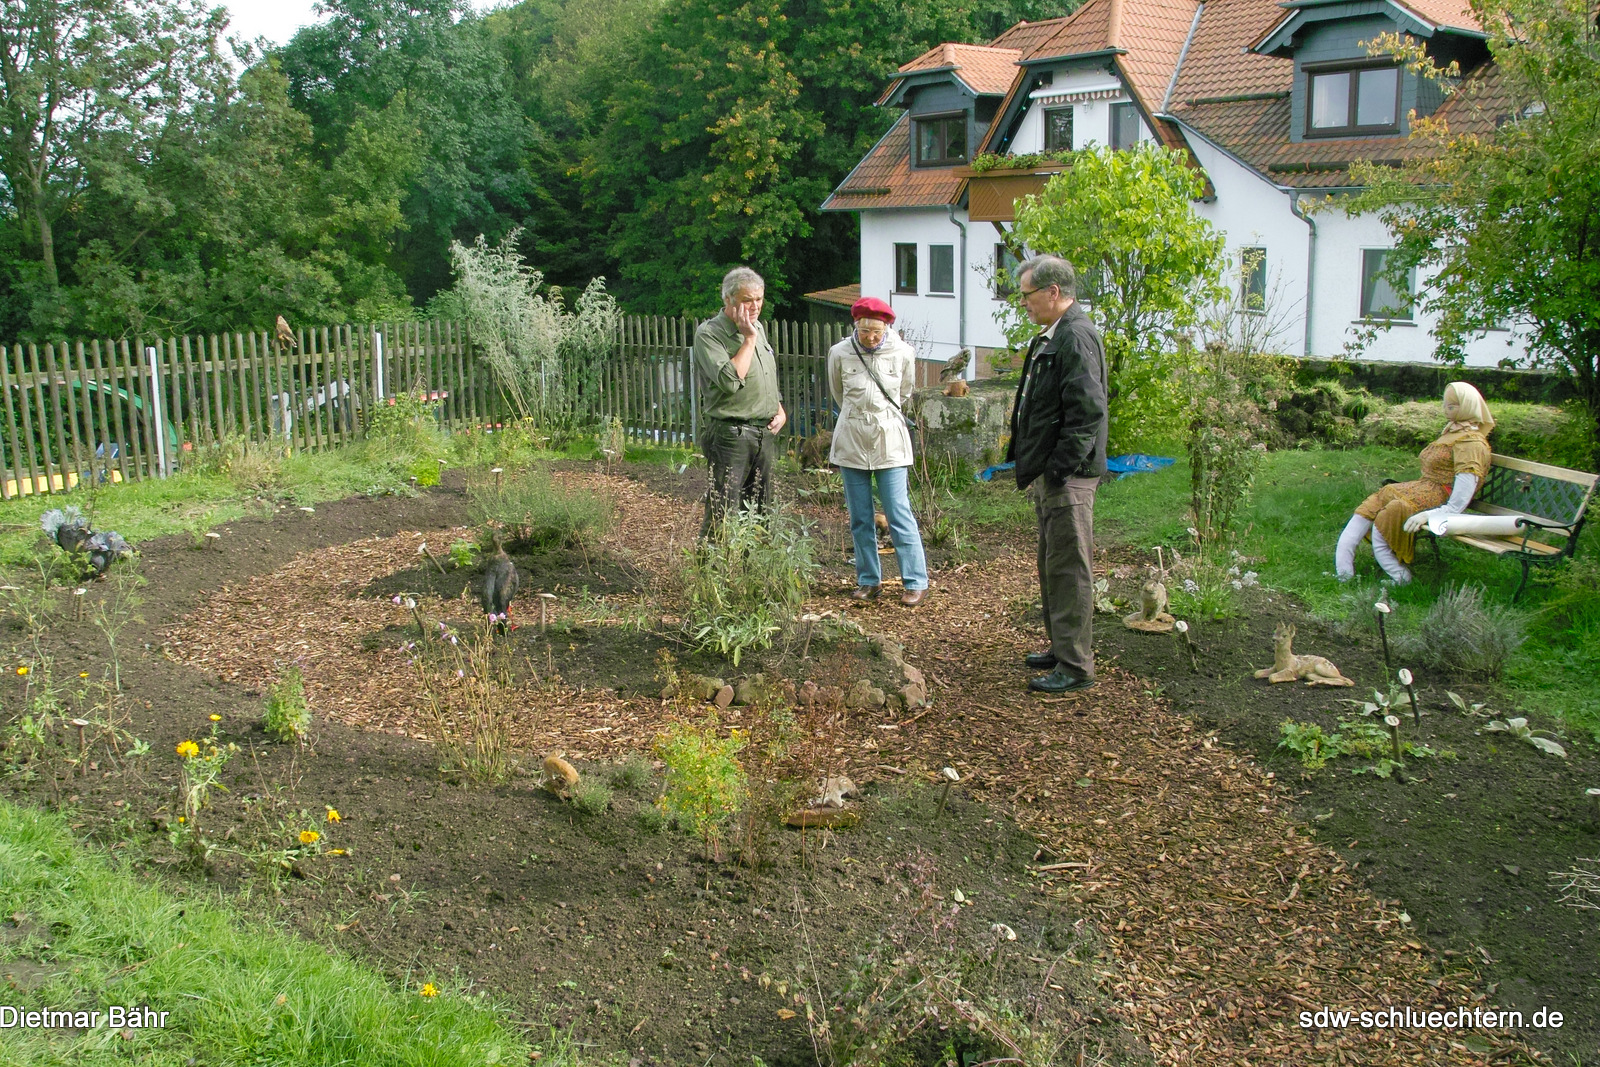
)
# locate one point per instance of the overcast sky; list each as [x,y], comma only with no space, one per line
[277,20]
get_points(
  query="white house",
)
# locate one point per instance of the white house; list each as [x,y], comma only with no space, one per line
[1272,101]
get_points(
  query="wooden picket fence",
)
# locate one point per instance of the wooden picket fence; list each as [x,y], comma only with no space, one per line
[650,385]
[128,410]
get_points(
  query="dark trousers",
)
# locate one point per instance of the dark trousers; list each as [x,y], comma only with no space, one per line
[741,459]
[1066,571]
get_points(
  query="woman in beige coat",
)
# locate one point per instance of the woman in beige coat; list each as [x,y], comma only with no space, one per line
[871,374]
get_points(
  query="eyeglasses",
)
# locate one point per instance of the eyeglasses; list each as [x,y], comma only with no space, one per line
[1025,293]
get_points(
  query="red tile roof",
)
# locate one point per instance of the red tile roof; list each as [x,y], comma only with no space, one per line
[1453,13]
[1027,36]
[985,69]
[885,178]
[1219,62]
[839,296]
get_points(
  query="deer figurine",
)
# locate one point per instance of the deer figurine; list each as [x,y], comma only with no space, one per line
[1288,667]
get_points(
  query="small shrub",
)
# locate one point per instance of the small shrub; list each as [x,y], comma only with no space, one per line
[705,785]
[613,443]
[254,466]
[467,689]
[591,796]
[928,991]
[463,553]
[1460,634]
[632,773]
[287,717]
[533,510]
[1226,444]
[746,584]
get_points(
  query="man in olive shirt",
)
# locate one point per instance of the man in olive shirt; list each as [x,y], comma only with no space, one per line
[742,407]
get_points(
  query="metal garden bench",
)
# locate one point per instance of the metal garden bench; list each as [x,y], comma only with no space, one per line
[1543,499]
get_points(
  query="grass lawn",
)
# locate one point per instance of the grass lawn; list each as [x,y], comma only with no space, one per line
[83,935]
[202,497]
[1301,502]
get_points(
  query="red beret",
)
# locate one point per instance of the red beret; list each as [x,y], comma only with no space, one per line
[870,307]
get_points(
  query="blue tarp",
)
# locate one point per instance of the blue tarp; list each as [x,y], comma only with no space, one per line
[1121,466]
[1137,463]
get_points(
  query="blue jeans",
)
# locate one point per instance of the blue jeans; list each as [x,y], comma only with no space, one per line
[902,526]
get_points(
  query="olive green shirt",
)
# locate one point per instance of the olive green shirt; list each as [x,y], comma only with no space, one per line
[753,398]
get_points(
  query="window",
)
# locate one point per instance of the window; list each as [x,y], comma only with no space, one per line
[1353,101]
[1253,280]
[905,268]
[941,268]
[942,141]
[1379,299]
[1124,126]
[1005,271]
[1058,129]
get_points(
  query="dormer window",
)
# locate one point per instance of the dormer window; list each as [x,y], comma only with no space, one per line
[941,140]
[1353,100]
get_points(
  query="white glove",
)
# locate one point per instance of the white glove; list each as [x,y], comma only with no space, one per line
[1420,519]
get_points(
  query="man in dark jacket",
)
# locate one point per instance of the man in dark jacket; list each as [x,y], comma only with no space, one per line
[1058,440]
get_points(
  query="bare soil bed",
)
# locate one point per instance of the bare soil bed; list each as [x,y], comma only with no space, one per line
[1178,892]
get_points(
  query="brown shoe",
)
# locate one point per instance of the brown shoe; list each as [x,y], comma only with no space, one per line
[912,597]
[866,592]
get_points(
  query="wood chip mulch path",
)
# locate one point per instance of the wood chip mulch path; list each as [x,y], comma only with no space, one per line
[1225,921]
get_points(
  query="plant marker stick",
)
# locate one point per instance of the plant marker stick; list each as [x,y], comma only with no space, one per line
[1393,723]
[1416,712]
[1382,608]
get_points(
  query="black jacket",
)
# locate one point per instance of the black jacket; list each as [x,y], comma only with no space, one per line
[1058,420]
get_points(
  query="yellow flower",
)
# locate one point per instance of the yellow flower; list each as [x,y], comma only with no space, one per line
[22,670]
[429,990]
[216,718]
[83,674]
[333,815]
[188,749]
[337,852]
[309,837]
[182,819]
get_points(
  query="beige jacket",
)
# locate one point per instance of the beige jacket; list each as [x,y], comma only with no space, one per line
[871,434]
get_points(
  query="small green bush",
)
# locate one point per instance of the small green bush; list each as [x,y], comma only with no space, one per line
[1460,634]
[632,773]
[747,582]
[287,717]
[533,510]
[591,796]
[705,785]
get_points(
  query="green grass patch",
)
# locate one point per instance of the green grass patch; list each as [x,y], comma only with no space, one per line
[89,935]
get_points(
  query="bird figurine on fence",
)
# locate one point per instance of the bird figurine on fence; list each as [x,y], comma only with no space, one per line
[952,374]
[68,528]
[499,586]
[285,334]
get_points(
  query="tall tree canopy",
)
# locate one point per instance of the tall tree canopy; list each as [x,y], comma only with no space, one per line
[155,177]
[1502,219]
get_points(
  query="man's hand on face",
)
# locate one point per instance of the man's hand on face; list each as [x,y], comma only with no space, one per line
[745,316]
[778,420]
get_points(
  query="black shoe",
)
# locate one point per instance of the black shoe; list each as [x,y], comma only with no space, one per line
[1059,681]
[1039,661]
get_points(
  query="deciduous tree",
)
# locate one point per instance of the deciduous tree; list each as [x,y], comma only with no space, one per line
[1147,266]
[1501,215]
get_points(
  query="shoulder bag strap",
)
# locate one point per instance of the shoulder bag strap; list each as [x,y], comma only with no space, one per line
[875,379]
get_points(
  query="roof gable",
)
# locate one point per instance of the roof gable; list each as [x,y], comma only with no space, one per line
[983,70]
[1422,18]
